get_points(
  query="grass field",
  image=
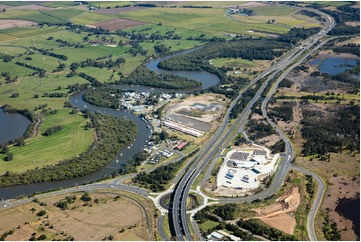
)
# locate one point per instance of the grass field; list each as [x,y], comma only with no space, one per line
[212,21]
[47,150]
[273,10]
[88,18]
[28,86]
[93,221]
[63,14]
[31,15]
[209,224]
[28,32]
[57,4]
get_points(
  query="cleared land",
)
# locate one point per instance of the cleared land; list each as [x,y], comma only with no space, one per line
[119,23]
[120,217]
[6,24]
[278,215]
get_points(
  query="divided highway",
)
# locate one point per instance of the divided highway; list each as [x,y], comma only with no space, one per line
[223,136]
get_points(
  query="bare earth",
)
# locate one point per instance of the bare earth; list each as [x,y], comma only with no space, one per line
[6,24]
[280,215]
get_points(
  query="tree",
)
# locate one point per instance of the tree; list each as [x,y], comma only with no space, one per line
[163,135]
[9,157]
[85,197]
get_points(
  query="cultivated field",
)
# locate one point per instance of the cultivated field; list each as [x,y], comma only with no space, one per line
[212,21]
[116,11]
[119,23]
[114,214]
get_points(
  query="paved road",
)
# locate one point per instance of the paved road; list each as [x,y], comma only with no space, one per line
[180,221]
[160,228]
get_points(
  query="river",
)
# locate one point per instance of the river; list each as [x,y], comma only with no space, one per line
[207,80]
[12,126]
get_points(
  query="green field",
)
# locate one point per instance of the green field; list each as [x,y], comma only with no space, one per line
[88,18]
[211,21]
[273,10]
[30,15]
[209,224]
[47,150]
[63,14]
[28,32]
[28,86]
[57,4]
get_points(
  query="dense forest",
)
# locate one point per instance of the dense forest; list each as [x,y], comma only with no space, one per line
[113,134]
[143,76]
[339,131]
[103,96]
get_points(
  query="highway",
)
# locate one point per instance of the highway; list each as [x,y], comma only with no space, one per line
[222,137]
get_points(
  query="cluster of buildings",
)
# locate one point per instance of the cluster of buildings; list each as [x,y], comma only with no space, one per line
[156,158]
[220,235]
[177,144]
[246,168]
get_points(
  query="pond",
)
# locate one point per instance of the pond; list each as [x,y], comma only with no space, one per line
[334,65]
[12,126]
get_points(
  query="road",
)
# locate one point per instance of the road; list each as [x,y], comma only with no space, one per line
[222,138]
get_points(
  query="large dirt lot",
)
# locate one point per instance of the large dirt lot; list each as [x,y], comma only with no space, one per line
[106,215]
[6,24]
[119,23]
[201,112]
[280,215]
